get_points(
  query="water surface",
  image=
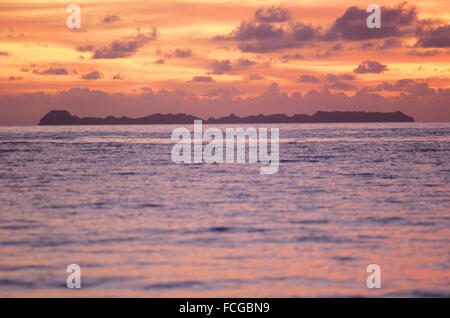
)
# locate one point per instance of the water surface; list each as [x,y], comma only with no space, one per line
[109,199]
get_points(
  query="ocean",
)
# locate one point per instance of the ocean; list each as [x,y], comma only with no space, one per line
[110,199]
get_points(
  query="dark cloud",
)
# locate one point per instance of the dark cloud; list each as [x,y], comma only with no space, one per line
[406,85]
[426,52]
[336,83]
[95,75]
[296,56]
[370,67]
[15,78]
[87,48]
[52,71]
[111,19]
[118,77]
[13,35]
[124,47]
[277,38]
[332,78]
[271,30]
[146,89]
[255,77]
[202,79]
[367,45]
[272,14]
[335,78]
[337,47]
[224,93]
[221,67]
[395,21]
[348,77]
[390,44]
[302,32]
[4,53]
[226,66]
[435,38]
[252,31]
[159,61]
[305,78]
[343,86]
[265,46]
[178,53]
[182,53]
[321,54]
[241,64]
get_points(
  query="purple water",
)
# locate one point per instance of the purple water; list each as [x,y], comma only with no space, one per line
[109,199]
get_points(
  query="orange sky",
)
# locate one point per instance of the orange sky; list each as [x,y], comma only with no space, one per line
[38,53]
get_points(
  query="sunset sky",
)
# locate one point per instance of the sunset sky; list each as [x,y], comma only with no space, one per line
[214,58]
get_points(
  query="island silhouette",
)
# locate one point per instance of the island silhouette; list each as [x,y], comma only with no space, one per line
[63,117]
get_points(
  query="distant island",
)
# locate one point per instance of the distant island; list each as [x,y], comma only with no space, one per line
[63,117]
